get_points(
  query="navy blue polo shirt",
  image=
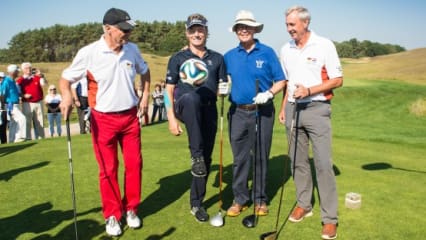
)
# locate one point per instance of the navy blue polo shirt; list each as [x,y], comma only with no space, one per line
[245,67]
[207,90]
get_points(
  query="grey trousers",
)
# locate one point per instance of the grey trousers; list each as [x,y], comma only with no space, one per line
[312,123]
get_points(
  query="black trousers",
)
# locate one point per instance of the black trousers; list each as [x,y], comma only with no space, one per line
[81,111]
[3,127]
[200,119]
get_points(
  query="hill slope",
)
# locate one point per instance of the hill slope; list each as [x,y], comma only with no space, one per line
[409,66]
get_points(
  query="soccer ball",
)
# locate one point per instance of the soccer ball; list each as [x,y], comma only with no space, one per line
[193,72]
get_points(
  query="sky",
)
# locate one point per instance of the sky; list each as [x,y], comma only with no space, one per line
[400,22]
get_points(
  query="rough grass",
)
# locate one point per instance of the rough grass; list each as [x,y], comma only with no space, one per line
[53,71]
[418,107]
[409,66]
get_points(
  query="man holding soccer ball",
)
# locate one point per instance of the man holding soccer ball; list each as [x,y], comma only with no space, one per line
[194,76]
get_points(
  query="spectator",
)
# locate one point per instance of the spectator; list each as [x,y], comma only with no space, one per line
[157,103]
[163,88]
[52,100]
[79,94]
[3,114]
[17,122]
[31,84]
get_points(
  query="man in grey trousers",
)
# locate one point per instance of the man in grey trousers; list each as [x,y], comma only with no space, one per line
[313,69]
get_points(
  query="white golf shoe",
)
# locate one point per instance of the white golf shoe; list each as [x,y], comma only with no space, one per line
[133,221]
[113,226]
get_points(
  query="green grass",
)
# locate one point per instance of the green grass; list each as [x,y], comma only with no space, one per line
[379,149]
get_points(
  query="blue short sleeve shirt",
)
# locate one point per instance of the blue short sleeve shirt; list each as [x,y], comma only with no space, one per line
[245,68]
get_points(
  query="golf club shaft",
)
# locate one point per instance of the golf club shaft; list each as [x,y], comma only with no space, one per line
[72,177]
[285,165]
[255,155]
[221,153]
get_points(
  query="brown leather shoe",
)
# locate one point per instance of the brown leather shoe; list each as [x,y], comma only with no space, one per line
[261,209]
[299,214]
[329,231]
[235,209]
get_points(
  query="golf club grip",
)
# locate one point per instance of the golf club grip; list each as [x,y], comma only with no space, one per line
[67,123]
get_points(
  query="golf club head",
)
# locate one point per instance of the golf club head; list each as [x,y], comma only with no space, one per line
[250,221]
[269,236]
[217,220]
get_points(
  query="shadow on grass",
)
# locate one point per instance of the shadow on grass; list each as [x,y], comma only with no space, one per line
[275,179]
[9,149]
[385,166]
[6,176]
[159,237]
[41,218]
[163,196]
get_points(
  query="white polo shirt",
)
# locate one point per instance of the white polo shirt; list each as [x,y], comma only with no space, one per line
[110,76]
[315,63]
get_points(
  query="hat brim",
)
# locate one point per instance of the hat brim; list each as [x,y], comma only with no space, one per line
[195,24]
[258,26]
[127,25]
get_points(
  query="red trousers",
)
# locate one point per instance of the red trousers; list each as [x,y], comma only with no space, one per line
[108,130]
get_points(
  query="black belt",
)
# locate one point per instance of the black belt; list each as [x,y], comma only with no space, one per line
[252,107]
[121,112]
[247,107]
[313,101]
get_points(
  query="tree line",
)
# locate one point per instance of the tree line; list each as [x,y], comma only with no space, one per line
[356,49]
[60,43]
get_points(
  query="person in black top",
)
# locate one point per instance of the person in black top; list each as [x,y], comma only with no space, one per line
[195,106]
[52,101]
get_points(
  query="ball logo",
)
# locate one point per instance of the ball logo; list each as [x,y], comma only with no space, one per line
[193,72]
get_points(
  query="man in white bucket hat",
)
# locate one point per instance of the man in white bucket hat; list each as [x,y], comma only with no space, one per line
[246,18]
[256,76]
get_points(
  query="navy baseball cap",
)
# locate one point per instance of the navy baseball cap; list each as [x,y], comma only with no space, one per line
[120,18]
[196,19]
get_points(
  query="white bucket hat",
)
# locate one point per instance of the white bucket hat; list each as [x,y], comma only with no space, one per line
[245,17]
[12,68]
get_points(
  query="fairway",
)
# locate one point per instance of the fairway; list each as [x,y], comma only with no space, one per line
[379,149]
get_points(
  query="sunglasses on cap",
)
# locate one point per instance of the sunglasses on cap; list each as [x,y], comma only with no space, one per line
[124,30]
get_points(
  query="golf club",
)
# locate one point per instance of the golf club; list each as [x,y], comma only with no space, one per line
[274,234]
[217,220]
[251,220]
[72,176]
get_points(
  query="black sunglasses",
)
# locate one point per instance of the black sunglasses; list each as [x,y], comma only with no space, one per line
[124,30]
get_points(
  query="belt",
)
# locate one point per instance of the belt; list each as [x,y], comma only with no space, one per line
[247,107]
[313,101]
[120,112]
